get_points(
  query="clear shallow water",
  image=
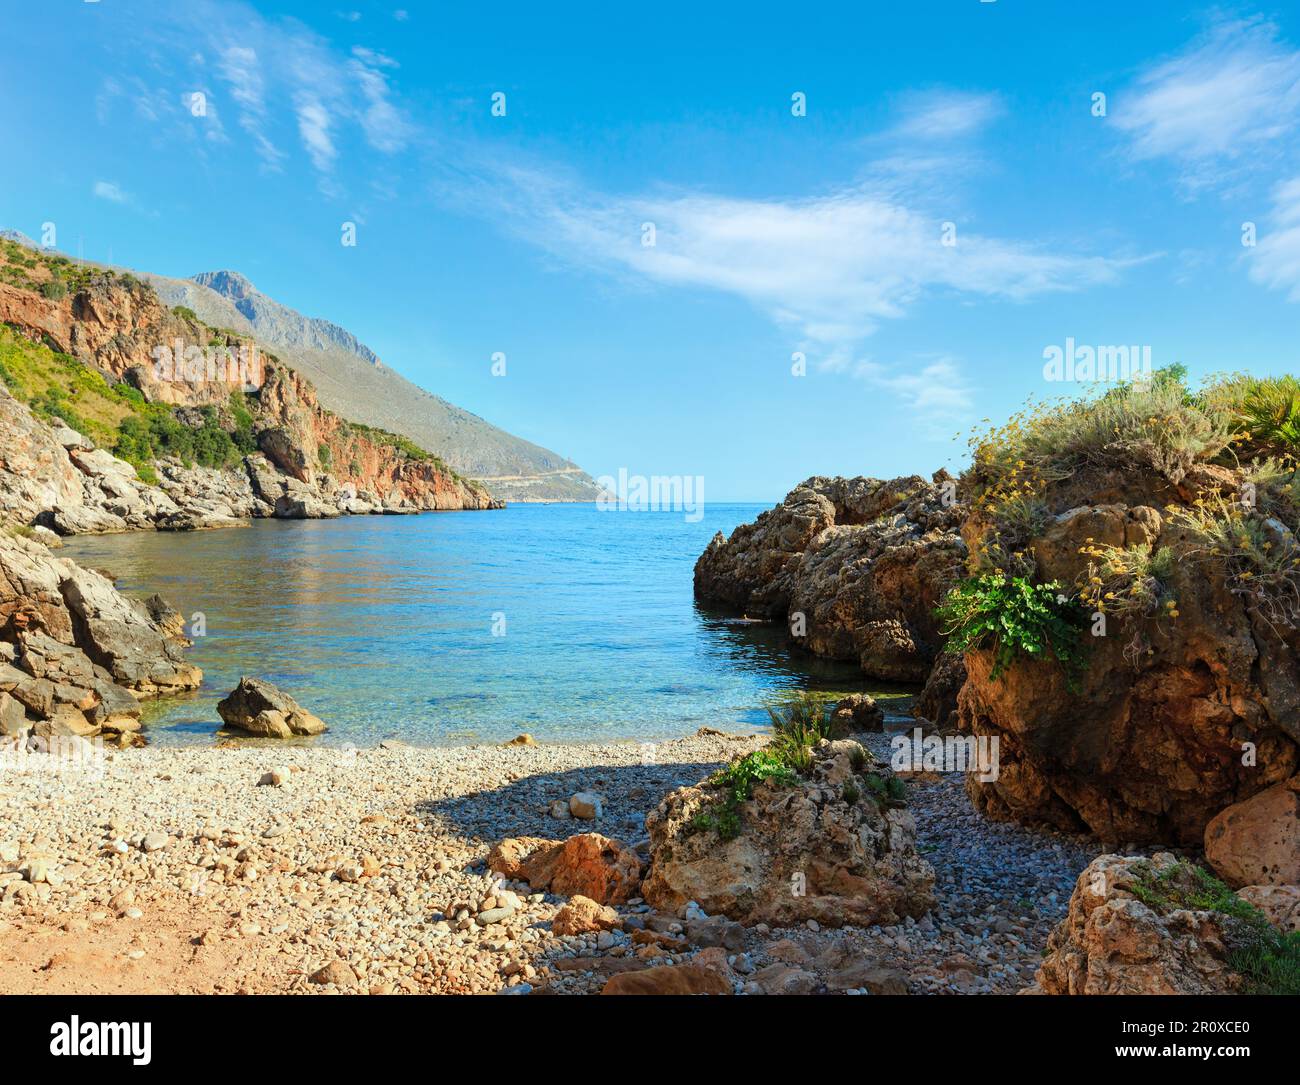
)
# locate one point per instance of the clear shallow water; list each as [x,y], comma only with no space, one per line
[383,626]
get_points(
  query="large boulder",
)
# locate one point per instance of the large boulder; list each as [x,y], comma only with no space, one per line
[837,846]
[1279,904]
[689,978]
[582,915]
[1130,931]
[36,472]
[122,637]
[856,713]
[587,865]
[1257,842]
[261,709]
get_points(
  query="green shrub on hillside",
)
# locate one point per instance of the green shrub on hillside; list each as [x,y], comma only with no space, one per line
[1264,410]
[156,432]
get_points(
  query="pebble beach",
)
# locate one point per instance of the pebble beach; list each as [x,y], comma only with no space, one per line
[290,869]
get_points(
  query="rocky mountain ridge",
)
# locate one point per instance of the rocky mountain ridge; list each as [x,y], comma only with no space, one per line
[351,380]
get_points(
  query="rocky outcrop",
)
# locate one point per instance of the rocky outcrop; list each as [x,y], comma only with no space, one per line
[75,655]
[341,461]
[854,567]
[36,472]
[837,846]
[1176,715]
[1113,943]
[258,708]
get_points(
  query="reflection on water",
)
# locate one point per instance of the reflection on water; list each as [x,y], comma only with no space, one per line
[561,620]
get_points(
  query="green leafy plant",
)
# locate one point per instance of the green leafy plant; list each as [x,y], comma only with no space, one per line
[1014,619]
[737,781]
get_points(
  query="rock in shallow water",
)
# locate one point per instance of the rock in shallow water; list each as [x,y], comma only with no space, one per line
[259,708]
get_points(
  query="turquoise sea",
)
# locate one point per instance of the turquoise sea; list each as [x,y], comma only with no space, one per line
[565,621]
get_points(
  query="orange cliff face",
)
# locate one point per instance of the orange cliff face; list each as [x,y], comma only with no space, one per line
[311,444]
[120,327]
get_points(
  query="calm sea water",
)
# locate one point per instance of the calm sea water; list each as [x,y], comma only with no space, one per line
[566,621]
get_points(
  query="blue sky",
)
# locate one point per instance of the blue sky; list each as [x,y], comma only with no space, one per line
[774,233]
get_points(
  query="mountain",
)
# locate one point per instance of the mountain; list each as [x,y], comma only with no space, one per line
[351,380]
[278,324]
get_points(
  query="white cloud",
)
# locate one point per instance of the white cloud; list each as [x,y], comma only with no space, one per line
[947,114]
[936,390]
[1275,261]
[1235,90]
[385,127]
[829,268]
[111,191]
[283,78]
[314,123]
[238,65]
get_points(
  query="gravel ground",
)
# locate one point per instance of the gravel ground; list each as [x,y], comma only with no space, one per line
[176,870]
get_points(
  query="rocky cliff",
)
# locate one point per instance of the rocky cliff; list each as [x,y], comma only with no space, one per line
[1187,696]
[163,372]
[1155,527]
[854,568]
[75,655]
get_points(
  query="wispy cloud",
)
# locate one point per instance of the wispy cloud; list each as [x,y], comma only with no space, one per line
[827,269]
[111,191]
[238,65]
[385,127]
[1276,258]
[936,390]
[947,114]
[1216,106]
[284,84]
[830,268]
[314,122]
